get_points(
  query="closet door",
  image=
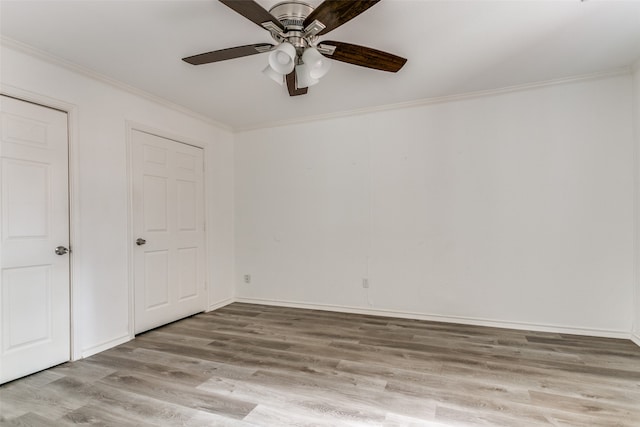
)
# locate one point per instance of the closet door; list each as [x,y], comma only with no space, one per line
[34,239]
[168,224]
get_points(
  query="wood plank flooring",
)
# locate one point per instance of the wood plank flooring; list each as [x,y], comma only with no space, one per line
[248,365]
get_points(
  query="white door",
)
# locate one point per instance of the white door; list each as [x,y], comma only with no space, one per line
[168,226]
[34,279]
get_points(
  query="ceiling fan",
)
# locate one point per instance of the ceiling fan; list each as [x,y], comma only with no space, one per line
[299,58]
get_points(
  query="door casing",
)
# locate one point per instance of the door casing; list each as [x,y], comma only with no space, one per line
[74,206]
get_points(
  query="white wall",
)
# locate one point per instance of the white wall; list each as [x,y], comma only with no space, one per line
[515,208]
[511,208]
[101,278]
[636,114]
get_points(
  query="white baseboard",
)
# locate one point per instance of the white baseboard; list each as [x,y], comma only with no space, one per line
[635,337]
[220,304]
[124,338]
[440,318]
[105,345]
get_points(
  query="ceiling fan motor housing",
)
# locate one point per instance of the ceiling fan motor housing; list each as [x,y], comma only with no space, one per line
[292,15]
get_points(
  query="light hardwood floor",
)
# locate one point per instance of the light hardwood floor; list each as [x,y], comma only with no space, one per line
[248,365]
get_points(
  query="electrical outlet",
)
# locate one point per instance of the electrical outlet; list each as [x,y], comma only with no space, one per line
[247,278]
[365,283]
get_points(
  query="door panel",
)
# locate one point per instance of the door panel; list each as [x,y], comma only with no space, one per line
[155,199]
[156,279]
[187,270]
[187,205]
[27,196]
[168,213]
[26,287]
[34,281]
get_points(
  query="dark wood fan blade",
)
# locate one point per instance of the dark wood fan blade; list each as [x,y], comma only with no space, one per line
[334,13]
[230,53]
[291,85]
[364,56]
[252,11]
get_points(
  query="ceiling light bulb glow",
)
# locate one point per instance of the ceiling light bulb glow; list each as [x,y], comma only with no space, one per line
[282,58]
[316,64]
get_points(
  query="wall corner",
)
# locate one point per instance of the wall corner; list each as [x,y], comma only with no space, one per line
[636,167]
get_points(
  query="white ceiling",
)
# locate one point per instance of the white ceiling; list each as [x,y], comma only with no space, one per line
[452,47]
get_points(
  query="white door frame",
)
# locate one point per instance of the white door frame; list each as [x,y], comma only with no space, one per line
[132,126]
[74,205]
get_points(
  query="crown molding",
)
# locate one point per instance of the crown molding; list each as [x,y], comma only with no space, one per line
[87,72]
[52,59]
[443,99]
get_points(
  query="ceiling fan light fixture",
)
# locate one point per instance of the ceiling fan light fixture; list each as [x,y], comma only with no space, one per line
[273,75]
[282,58]
[318,66]
[303,77]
